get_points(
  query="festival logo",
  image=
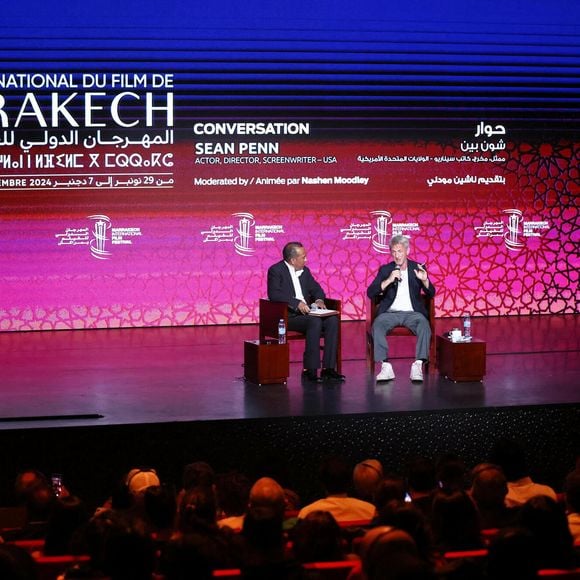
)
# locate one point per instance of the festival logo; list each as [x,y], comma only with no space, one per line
[514,231]
[379,230]
[380,239]
[243,234]
[99,237]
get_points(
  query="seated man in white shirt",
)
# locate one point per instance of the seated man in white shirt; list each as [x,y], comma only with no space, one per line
[291,281]
[336,477]
[400,284]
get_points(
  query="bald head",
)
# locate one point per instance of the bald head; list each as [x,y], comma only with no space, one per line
[267,498]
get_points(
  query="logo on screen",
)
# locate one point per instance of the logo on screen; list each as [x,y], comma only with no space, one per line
[100,237]
[514,231]
[244,234]
[381,228]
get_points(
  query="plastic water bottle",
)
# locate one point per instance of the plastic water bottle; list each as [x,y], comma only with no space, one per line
[281,332]
[467,327]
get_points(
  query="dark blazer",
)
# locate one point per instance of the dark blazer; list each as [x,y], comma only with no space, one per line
[281,289]
[415,288]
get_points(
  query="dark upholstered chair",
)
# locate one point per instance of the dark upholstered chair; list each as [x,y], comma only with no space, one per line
[270,314]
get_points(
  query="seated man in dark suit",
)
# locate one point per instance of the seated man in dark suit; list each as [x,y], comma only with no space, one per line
[400,284]
[292,282]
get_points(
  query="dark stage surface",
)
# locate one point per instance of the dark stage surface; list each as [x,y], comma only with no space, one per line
[158,375]
[167,397]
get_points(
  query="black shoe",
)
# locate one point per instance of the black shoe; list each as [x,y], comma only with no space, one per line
[310,375]
[331,375]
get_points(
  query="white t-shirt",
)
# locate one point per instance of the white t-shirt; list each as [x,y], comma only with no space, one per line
[342,508]
[520,491]
[402,302]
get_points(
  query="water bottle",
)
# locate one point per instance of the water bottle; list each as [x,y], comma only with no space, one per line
[281,332]
[467,327]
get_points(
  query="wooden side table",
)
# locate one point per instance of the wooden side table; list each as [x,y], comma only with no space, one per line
[266,363]
[461,361]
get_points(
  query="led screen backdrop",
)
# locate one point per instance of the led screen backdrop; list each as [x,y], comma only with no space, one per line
[155,157]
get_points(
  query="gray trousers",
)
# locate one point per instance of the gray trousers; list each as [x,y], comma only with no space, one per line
[414,321]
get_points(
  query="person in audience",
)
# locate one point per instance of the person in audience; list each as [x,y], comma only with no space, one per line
[69,515]
[263,547]
[291,281]
[488,491]
[421,483]
[267,497]
[318,538]
[450,472]
[197,510]
[336,478]
[160,510]
[409,518]
[511,556]
[33,490]
[392,487]
[399,285]
[388,553]
[455,522]
[129,490]
[128,495]
[139,479]
[546,520]
[367,475]
[197,519]
[198,474]
[119,548]
[511,457]
[572,491]
[233,495]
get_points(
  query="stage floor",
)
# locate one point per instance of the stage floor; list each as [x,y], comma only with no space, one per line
[158,375]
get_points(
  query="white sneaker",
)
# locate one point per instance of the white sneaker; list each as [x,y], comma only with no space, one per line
[417,371]
[386,373]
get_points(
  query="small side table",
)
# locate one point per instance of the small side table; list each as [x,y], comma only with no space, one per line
[266,363]
[461,361]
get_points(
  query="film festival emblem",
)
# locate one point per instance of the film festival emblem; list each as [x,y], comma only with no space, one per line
[245,234]
[380,240]
[513,230]
[99,237]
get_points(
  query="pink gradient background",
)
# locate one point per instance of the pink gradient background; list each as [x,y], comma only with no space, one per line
[169,276]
